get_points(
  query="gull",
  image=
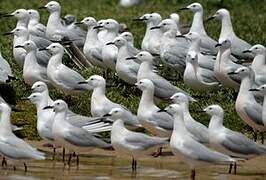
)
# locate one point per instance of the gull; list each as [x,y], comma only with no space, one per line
[61,76]
[224,64]
[73,118]
[227,32]
[6,74]
[158,123]
[109,52]
[93,46]
[199,131]
[198,78]
[71,137]
[192,152]
[152,39]
[32,71]
[35,27]
[258,64]
[21,34]
[198,27]
[172,51]
[100,104]
[127,70]
[130,42]
[129,3]
[163,88]
[249,110]
[205,61]
[129,143]
[21,15]
[55,30]
[183,29]
[230,142]
[10,145]
[102,32]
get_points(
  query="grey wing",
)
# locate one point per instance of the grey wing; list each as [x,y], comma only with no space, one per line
[40,41]
[238,143]
[200,152]
[81,137]
[254,111]
[132,51]
[163,120]
[43,58]
[143,141]
[134,68]
[96,54]
[69,77]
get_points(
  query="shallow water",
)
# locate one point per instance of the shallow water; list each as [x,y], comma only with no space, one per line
[104,165]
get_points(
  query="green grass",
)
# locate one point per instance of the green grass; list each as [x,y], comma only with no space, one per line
[248,20]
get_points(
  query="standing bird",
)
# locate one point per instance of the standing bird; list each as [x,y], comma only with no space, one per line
[192,152]
[61,76]
[10,145]
[227,32]
[35,27]
[126,142]
[6,74]
[21,15]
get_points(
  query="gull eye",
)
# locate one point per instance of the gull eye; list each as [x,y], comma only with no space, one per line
[107,23]
[263,87]
[57,103]
[92,79]
[256,47]
[140,82]
[34,96]
[38,85]
[29,12]
[17,12]
[242,70]
[28,44]
[53,46]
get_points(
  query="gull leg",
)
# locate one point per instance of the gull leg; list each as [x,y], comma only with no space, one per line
[255,135]
[230,168]
[64,152]
[135,165]
[235,167]
[192,174]
[14,168]
[4,162]
[77,160]
[25,167]
[262,137]
[53,153]
[69,159]
[158,153]
[132,164]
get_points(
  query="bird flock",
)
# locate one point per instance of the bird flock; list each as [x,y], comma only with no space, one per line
[206,65]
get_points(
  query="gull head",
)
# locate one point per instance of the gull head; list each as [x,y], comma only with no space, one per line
[193,36]
[116,113]
[180,98]
[166,25]
[144,56]
[60,106]
[69,19]
[261,89]
[28,46]
[20,14]
[143,18]
[33,14]
[213,110]
[111,25]
[55,48]
[224,44]
[192,57]
[35,98]
[128,36]
[52,6]
[39,86]
[256,49]
[242,72]
[175,17]
[118,42]
[154,18]
[174,109]
[89,22]
[95,81]
[221,13]
[100,22]
[20,31]
[194,7]
[145,84]
[4,107]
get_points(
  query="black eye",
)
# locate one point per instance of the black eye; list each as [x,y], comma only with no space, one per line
[28,44]
[210,108]
[242,70]
[53,46]
[177,96]
[194,6]
[17,12]
[57,103]
[118,40]
[38,85]
[107,23]
[263,87]
[140,82]
[164,24]
[29,12]
[140,55]
[92,79]
[256,47]
[34,96]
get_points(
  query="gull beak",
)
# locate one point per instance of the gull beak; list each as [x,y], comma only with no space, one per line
[247,51]
[83,82]
[210,18]
[131,58]
[78,23]
[184,8]
[8,33]
[180,36]
[19,46]
[254,89]
[140,19]
[110,43]
[232,73]
[162,110]
[155,27]
[97,27]
[7,15]
[43,49]
[218,45]
[42,7]
[107,115]
[48,107]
